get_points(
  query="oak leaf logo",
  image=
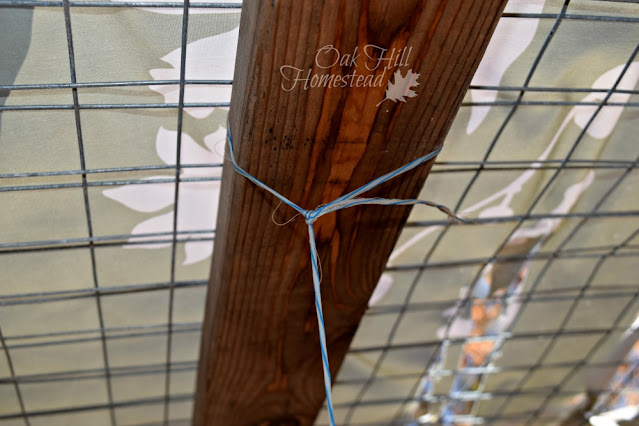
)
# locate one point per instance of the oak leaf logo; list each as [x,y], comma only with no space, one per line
[401,89]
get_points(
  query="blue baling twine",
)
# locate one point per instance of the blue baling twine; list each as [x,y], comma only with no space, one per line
[310,216]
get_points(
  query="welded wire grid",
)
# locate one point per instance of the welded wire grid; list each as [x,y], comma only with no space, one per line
[439,362]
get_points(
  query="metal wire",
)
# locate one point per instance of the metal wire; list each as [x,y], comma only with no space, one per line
[56,296]
[133,371]
[159,329]
[561,330]
[118,332]
[129,169]
[585,287]
[169,340]
[16,386]
[556,389]
[125,4]
[573,292]
[183,366]
[441,235]
[134,83]
[102,241]
[438,167]
[131,83]
[92,407]
[97,373]
[87,207]
[544,189]
[113,106]
[181,328]
[103,183]
[574,232]
[53,107]
[368,403]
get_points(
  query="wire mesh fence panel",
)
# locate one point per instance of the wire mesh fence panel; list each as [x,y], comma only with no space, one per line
[112,130]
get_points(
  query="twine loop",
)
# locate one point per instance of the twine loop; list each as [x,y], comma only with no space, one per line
[310,216]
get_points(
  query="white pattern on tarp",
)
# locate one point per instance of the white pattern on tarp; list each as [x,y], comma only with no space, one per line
[510,39]
[198,200]
[603,124]
[210,58]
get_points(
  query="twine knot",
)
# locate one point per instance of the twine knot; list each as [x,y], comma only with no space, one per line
[310,216]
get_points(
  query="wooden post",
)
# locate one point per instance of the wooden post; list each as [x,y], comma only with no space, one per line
[313,139]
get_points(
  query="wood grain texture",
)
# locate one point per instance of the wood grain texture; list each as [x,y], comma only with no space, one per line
[260,360]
